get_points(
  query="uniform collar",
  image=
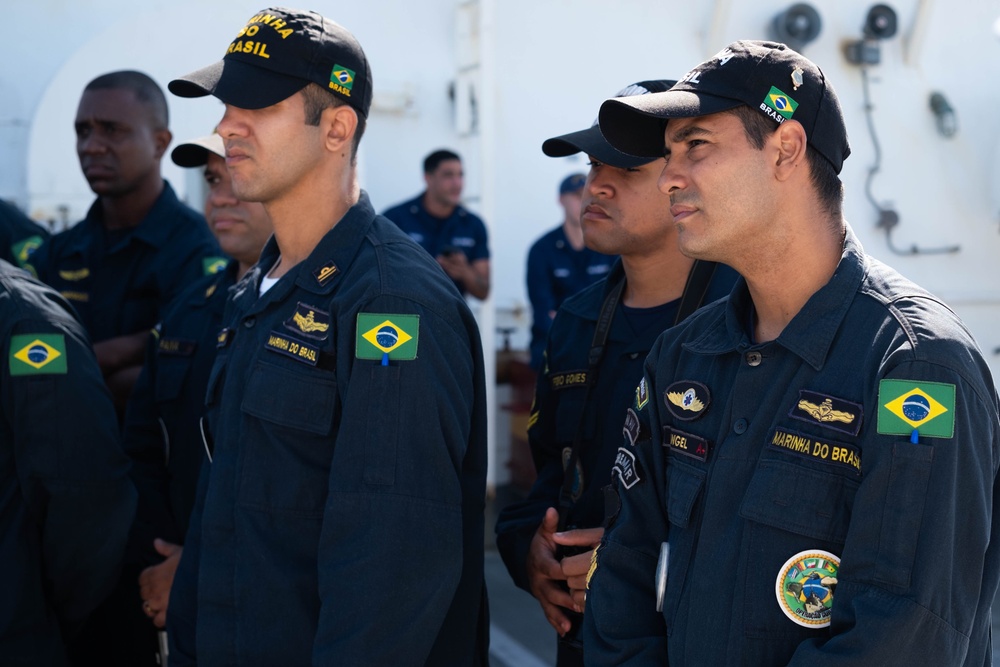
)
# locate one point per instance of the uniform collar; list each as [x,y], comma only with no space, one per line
[811,332]
[587,303]
[323,269]
[154,230]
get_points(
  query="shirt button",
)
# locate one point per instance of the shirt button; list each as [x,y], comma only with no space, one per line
[249,322]
[634,355]
[753,358]
[740,426]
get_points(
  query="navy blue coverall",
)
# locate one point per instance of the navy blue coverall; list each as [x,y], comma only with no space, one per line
[341,519]
[120,283]
[829,497]
[559,408]
[66,502]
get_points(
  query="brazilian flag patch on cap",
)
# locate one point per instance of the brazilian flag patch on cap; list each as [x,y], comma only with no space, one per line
[380,333]
[908,405]
[37,354]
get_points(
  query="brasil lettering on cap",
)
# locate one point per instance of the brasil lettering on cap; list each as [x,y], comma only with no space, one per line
[342,80]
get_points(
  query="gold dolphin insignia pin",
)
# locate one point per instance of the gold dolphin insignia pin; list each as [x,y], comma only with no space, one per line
[824,412]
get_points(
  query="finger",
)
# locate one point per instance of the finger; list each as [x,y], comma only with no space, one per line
[165,548]
[581,537]
[578,583]
[580,598]
[573,566]
[556,618]
[550,522]
[555,595]
[160,620]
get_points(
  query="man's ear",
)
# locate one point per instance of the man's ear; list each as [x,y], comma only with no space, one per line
[341,122]
[788,144]
[161,139]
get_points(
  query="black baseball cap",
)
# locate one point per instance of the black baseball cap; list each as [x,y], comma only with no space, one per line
[194,153]
[592,142]
[766,76]
[278,53]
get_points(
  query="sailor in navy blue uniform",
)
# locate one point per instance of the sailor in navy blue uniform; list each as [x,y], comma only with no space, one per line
[560,265]
[139,246]
[811,479]
[163,421]
[66,502]
[341,518]
[451,233]
[575,424]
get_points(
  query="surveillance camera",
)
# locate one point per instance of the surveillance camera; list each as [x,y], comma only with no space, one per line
[881,22]
[797,26]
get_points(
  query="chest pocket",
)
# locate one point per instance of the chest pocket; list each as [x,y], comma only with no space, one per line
[170,376]
[570,415]
[285,453]
[801,500]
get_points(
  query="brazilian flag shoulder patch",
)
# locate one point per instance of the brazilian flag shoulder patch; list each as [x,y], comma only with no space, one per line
[213,265]
[383,333]
[908,405]
[37,354]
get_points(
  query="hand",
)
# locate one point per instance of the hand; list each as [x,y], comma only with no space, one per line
[456,265]
[155,582]
[545,574]
[575,568]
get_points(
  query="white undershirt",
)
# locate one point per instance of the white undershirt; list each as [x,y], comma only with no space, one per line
[267,282]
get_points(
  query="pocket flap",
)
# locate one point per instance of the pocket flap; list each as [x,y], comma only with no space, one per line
[290,398]
[683,487]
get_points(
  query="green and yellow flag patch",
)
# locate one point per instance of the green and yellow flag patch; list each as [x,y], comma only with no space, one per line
[22,249]
[381,333]
[908,405]
[213,265]
[37,354]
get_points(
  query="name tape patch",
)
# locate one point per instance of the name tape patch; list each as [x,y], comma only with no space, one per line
[290,347]
[567,379]
[687,444]
[807,446]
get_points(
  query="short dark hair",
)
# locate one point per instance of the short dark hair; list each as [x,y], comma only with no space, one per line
[147,91]
[830,190]
[434,160]
[317,100]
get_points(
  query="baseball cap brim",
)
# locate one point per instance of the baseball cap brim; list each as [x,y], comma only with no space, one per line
[593,143]
[194,153]
[634,125]
[238,84]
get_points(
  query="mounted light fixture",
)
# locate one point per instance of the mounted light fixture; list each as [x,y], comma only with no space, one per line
[944,114]
[881,23]
[797,26]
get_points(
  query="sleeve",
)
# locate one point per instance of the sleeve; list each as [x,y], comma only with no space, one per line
[621,625]
[543,301]
[919,568]
[144,443]
[518,522]
[482,249]
[70,463]
[182,613]
[403,518]
[190,263]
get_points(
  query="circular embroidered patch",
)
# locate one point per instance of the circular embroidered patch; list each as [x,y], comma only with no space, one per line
[805,587]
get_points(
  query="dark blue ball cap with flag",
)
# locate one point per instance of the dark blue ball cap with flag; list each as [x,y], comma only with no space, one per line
[593,143]
[766,76]
[278,53]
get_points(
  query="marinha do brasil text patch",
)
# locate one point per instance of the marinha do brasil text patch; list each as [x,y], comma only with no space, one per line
[393,334]
[37,354]
[905,406]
